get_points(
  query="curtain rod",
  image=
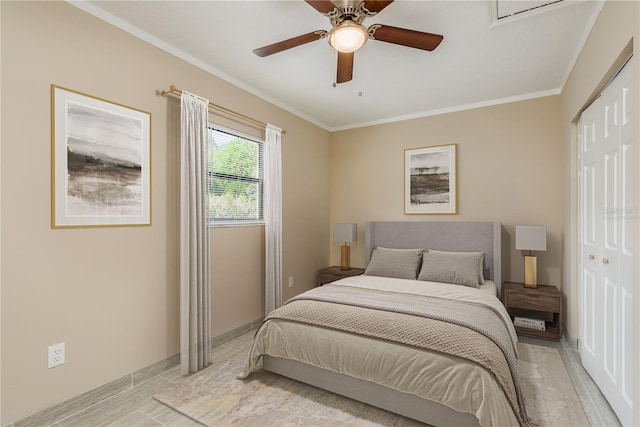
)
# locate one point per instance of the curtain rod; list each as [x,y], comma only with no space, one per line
[175,91]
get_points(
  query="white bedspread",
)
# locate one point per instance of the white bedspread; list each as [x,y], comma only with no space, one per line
[455,382]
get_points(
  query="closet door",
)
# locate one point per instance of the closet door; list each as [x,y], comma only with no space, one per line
[627,254]
[590,219]
[607,242]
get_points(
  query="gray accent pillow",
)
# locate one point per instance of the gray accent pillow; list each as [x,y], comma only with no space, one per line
[446,268]
[476,255]
[398,263]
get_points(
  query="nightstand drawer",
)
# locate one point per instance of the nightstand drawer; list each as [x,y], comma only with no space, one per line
[331,274]
[533,301]
[328,278]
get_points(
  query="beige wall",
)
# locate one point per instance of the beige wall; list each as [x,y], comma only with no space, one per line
[613,38]
[509,171]
[111,294]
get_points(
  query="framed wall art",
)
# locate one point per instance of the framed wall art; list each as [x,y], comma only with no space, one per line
[101,162]
[430,180]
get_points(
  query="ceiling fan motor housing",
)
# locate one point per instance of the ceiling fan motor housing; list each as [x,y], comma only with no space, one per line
[348,10]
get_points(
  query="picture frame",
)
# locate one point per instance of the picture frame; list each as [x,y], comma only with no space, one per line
[430,180]
[100,162]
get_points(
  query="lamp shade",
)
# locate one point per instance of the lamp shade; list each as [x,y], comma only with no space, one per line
[348,37]
[345,232]
[531,237]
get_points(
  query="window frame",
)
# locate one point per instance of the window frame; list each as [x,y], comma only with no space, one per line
[216,223]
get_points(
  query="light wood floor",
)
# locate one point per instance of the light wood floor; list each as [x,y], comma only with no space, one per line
[595,405]
[137,408]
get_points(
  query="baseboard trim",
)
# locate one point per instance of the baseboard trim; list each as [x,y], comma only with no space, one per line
[571,341]
[92,397]
[76,404]
[235,333]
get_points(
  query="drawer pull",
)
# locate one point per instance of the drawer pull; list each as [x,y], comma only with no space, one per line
[605,260]
[591,257]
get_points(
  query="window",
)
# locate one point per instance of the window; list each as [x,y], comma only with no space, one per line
[235,182]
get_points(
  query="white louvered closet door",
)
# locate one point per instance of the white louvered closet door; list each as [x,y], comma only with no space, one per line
[607,209]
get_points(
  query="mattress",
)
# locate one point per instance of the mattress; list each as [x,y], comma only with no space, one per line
[455,382]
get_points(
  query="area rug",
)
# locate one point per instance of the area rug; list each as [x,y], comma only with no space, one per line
[214,397]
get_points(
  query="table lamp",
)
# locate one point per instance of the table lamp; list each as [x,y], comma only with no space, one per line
[345,233]
[531,238]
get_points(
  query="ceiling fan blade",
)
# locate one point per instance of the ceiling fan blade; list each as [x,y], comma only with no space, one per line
[322,6]
[404,37]
[376,5]
[289,43]
[345,67]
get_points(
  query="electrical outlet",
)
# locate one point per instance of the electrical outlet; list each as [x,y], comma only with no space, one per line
[291,281]
[56,355]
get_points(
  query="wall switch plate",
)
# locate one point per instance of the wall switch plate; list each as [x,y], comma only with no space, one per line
[56,355]
[291,281]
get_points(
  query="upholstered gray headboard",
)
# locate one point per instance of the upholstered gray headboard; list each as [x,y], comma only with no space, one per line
[446,236]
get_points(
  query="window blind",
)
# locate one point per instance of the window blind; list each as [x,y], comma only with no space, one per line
[235,184]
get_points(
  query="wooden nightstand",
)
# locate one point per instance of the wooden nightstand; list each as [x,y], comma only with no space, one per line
[541,302]
[331,274]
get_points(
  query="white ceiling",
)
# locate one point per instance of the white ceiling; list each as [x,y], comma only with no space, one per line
[480,61]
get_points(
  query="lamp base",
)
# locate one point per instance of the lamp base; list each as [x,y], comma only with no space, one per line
[345,257]
[530,271]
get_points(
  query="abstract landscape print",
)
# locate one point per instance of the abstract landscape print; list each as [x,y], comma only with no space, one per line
[101,168]
[430,180]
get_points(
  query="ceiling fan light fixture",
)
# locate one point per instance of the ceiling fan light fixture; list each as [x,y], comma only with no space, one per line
[348,37]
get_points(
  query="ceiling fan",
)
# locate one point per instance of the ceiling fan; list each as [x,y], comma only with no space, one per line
[348,34]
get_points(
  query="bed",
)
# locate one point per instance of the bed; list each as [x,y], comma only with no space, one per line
[433,351]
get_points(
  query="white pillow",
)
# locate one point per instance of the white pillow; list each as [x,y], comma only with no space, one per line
[478,255]
[398,263]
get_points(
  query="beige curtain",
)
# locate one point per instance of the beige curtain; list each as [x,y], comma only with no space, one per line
[195,315]
[273,218]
